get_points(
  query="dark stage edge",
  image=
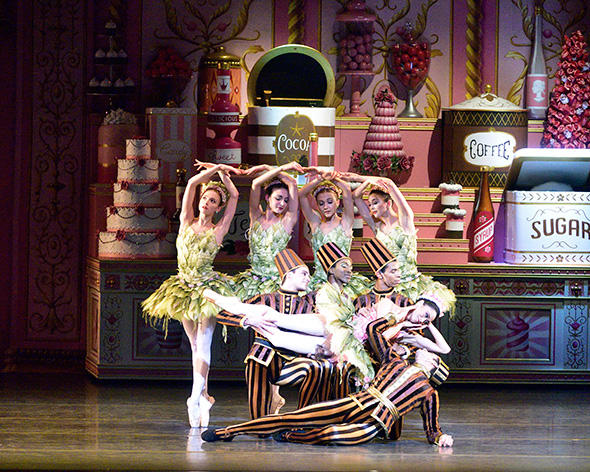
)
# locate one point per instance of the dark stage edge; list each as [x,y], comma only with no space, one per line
[74,422]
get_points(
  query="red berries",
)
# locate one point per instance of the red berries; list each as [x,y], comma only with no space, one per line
[168,63]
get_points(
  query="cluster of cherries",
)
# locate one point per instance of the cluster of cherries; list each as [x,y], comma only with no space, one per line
[411,58]
[168,63]
[356,52]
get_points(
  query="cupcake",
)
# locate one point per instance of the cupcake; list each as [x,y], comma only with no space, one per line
[93,85]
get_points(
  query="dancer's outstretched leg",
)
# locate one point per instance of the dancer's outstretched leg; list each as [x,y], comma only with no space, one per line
[338,434]
[200,335]
[319,414]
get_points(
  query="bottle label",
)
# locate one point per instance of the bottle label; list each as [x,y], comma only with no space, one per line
[536,90]
[230,156]
[483,235]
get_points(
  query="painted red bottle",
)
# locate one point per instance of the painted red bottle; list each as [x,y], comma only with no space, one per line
[482,242]
[223,118]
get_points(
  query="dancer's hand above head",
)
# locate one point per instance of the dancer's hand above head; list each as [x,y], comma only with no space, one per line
[257,169]
[293,166]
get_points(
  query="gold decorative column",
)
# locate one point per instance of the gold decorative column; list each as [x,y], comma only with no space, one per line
[473,37]
[296,18]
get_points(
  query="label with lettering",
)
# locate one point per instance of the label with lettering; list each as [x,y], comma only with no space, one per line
[173,150]
[483,236]
[491,149]
[292,138]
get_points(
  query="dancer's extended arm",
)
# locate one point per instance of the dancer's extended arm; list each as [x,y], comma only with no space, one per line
[187,212]
[224,223]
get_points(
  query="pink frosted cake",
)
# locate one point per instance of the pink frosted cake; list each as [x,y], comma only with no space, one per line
[137,224]
[383,137]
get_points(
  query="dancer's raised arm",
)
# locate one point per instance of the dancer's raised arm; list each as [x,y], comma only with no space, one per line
[359,201]
[224,223]
[187,212]
[311,216]
[255,208]
[404,211]
[347,204]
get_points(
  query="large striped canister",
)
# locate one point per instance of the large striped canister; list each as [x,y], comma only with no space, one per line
[277,135]
[173,136]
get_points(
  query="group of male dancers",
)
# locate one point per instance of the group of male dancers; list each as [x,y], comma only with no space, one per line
[294,345]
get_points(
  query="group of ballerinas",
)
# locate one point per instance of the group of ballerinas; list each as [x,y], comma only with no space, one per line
[327,202]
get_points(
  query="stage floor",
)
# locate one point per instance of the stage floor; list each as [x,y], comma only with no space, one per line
[70,422]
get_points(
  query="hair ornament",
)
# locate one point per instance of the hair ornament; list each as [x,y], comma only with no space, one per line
[217,187]
[436,300]
[327,186]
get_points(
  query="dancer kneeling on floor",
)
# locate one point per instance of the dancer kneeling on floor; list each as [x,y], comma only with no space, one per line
[268,364]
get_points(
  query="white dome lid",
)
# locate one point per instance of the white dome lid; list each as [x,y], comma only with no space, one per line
[487,101]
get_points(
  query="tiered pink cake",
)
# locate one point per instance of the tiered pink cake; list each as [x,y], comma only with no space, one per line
[383,138]
[137,225]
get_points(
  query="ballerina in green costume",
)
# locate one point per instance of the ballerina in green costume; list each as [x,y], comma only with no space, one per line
[391,219]
[180,297]
[270,229]
[327,226]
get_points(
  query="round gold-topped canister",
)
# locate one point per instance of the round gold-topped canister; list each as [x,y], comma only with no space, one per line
[219,58]
[486,122]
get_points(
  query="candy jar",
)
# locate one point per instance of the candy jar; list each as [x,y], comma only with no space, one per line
[411,59]
[355,49]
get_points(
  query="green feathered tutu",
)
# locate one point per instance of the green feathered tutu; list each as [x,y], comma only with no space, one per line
[181,295]
[337,309]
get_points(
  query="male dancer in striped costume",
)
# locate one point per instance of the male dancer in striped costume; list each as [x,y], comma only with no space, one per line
[398,388]
[386,269]
[266,364]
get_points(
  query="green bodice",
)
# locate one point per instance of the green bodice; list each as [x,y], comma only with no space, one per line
[195,253]
[265,244]
[404,247]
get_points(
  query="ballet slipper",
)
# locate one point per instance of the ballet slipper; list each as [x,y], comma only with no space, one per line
[194,415]
[276,403]
[205,404]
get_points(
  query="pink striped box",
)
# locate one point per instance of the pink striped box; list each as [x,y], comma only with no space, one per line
[173,135]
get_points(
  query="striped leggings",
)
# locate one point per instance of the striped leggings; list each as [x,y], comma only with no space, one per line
[340,422]
[314,378]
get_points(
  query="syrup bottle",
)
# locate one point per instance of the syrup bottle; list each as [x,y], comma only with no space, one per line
[483,222]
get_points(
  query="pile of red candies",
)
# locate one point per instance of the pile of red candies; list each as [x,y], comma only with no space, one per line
[356,52]
[411,59]
[168,63]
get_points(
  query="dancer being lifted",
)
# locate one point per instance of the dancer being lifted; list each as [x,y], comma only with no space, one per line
[327,225]
[391,219]
[270,227]
[180,297]
[398,388]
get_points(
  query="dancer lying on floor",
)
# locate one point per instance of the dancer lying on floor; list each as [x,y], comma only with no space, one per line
[398,388]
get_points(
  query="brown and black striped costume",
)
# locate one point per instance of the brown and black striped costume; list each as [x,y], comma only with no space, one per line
[398,388]
[378,344]
[267,365]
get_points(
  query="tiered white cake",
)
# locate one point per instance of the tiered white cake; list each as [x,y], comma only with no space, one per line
[383,137]
[137,225]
